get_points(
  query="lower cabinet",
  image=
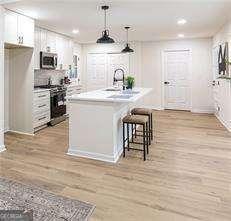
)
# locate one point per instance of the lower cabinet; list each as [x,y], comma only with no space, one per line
[71,90]
[41,109]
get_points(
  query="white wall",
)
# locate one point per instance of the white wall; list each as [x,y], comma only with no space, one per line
[201,70]
[1,80]
[134,58]
[146,65]
[21,80]
[222,92]
[6,89]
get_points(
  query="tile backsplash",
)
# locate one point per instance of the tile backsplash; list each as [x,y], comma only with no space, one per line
[42,76]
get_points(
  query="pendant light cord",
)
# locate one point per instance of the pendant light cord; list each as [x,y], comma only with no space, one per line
[105,19]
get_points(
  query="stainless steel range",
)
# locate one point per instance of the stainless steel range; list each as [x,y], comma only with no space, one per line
[57,103]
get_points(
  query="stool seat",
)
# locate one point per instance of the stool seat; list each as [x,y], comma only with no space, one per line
[135,119]
[141,111]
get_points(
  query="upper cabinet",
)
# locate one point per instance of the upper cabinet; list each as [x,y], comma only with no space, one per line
[49,41]
[19,29]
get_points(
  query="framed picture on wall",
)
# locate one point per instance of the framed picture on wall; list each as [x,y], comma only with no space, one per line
[223,60]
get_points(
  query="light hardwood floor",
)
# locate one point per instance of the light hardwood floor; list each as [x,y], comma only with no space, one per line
[187,175]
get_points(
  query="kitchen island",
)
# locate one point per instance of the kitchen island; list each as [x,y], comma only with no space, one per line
[95,122]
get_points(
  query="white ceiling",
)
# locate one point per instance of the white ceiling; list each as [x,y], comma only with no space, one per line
[150,20]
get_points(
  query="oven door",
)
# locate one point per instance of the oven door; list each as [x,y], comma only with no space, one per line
[48,60]
[58,104]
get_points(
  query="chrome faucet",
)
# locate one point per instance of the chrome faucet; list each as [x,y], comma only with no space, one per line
[118,76]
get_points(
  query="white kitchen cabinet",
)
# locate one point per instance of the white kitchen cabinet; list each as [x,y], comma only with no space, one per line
[37,48]
[49,41]
[43,40]
[11,27]
[60,51]
[41,108]
[19,29]
[26,30]
[71,90]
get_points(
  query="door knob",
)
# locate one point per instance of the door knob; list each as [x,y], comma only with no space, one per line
[166,82]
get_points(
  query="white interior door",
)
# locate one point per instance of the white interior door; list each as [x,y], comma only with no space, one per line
[116,61]
[177,80]
[96,71]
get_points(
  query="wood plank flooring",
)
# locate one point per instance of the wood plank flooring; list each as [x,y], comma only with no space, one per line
[187,176]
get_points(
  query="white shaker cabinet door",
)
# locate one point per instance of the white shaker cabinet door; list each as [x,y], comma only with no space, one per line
[11,27]
[43,40]
[26,30]
[60,51]
[51,42]
[37,48]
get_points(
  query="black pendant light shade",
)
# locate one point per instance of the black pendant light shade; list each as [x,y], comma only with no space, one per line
[105,39]
[127,49]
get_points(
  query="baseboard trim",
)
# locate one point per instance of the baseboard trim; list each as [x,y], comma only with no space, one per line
[22,133]
[94,156]
[2,148]
[225,124]
[6,130]
[202,111]
[152,107]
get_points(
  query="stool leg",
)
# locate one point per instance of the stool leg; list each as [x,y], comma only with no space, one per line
[144,142]
[149,130]
[148,140]
[124,143]
[128,135]
[135,130]
[132,132]
[151,126]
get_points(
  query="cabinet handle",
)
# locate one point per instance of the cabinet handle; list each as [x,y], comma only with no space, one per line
[42,96]
[19,40]
[44,105]
[42,118]
[22,39]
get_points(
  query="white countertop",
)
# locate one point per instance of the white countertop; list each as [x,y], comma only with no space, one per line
[73,85]
[104,96]
[37,90]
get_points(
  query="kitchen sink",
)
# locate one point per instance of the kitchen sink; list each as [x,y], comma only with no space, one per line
[121,96]
[112,89]
[130,92]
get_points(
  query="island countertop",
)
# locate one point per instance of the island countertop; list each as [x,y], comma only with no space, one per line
[105,95]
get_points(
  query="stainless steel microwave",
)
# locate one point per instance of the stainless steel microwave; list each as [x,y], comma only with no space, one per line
[48,60]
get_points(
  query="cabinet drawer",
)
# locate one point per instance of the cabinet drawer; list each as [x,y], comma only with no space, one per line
[41,119]
[41,106]
[41,95]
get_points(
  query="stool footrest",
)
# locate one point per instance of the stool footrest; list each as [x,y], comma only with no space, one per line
[131,148]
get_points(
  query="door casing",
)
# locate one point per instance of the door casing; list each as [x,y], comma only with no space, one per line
[163,74]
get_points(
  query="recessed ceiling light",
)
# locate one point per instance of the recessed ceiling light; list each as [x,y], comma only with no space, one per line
[75,31]
[181,21]
[181,35]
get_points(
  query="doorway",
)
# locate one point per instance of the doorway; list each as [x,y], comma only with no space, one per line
[177,87]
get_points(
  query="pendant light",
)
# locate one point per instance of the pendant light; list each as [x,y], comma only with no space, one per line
[105,39]
[127,49]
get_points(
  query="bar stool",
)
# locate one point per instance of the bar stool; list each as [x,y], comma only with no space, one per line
[129,121]
[144,112]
